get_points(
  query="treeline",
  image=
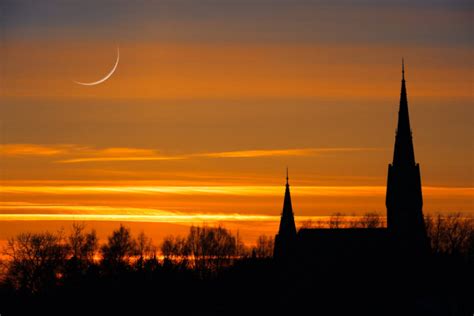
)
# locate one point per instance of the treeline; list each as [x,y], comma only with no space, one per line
[35,262]
[39,261]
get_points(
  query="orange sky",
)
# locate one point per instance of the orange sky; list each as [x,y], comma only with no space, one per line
[210,104]
[167,70]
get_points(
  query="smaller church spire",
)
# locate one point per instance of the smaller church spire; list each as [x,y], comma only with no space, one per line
[286,237]
[287,222]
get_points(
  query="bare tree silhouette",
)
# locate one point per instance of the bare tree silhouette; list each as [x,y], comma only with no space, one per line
[36,261]
[368,220]
[205,249]
[144,250]
[175,250]
[264,247]
[452,234]
[211,247]
[82,246]
[119,249]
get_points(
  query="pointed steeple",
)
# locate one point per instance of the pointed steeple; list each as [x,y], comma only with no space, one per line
[403,153]
[287,222]
[404,198]
[285,239]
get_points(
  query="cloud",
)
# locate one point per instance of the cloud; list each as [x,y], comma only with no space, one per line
[83,154]
[34,150]
[124,158]
[61,212]
[226,154]
[174,218]
[266,153]
[235,190]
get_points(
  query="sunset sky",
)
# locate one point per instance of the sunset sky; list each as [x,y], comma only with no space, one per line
[212,100]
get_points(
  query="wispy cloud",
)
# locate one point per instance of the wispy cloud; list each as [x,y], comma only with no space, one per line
[70,153]
[15,150]
[249,190]
[63,212]
[124,158]
[60,212]
[281,152]
[174,218]
[78,154]
[259,153]
[35,150]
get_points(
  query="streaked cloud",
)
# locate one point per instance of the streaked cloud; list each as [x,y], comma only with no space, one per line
[83,154]
[281,152]
[175,218]
[34,150]
[148,202]
[124,158]
[116,213]
[66,149]
[226,154]
[358,191]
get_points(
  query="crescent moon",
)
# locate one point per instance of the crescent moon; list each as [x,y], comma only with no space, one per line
[106,77]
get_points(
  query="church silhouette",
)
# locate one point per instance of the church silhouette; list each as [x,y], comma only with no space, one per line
[404,237]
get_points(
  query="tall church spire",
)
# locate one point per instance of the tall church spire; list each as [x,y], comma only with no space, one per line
[403,153]
[404,198]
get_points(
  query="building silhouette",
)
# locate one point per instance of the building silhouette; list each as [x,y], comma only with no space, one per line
[405,234]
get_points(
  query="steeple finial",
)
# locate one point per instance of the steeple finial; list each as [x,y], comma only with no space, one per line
[403,69]
[286,175]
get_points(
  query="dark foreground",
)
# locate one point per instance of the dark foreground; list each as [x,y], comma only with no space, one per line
[439,286]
